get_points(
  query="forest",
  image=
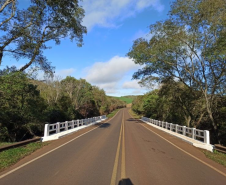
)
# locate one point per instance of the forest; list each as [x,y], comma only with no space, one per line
[27,104]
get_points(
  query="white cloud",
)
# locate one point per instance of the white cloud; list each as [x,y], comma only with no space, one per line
[65,72]
[140,33]
[110,75]
[132,85]
[146,3]
[105,13]
[58,74]
[111,71]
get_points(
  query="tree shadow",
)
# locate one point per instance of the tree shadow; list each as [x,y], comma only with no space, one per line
[134,120]
[104,125]
[131,119]
[125,182]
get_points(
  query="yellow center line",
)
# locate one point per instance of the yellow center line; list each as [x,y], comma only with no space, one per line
[114,174]
[121,139]
[123,165]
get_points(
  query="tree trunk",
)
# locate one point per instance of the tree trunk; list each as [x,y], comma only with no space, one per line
[210,113]
[187,120]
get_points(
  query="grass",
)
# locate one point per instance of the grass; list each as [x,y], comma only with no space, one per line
[125,99]
[216,156]
[4,144]
[133,114]
[112,113]
[11,156]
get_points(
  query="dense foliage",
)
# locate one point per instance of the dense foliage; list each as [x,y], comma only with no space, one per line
[175,103]
[26,105]
[190,48]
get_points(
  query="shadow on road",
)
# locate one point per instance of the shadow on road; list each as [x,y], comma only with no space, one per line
[125,182]
[134,120]
[104,125]
[131,119]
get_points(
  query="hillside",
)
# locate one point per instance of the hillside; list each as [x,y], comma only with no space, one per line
[128,99]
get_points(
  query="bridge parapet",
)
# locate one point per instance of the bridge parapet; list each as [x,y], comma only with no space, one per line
[202,137]
[59,129]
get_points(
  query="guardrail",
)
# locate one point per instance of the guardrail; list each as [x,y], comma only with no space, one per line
[200,135]
[220,148]
[51,129]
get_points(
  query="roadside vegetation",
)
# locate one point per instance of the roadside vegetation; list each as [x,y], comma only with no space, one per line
[27,104]
[186,60]
[11,156]
[113,113]
[216,156]
[133,114]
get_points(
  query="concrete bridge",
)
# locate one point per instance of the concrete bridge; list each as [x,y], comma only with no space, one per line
[121,150]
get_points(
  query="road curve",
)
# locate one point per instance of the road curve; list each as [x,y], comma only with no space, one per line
[120,151]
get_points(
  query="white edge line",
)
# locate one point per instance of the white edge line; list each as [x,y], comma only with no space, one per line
[25,164]
[213,168]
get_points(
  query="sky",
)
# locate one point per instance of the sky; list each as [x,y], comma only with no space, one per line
[112,27]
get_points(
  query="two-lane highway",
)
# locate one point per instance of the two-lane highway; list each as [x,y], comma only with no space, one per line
[120,151]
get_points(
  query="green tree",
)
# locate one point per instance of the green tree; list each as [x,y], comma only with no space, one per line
[185,47]
[184,101]
[20,105]
[26,33]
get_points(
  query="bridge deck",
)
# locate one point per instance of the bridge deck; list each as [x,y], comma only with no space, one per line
[121,148]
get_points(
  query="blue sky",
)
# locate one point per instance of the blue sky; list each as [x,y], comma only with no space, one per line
[112,26]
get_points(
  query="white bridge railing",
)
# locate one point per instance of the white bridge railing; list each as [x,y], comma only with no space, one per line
[55,128]
[201,135]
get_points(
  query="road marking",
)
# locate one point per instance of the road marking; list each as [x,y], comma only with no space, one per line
[123,165]
[215,169]
[116,163]
[25,164]
[222,173]
[114,173]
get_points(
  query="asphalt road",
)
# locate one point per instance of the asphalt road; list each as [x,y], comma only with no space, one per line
[120,151]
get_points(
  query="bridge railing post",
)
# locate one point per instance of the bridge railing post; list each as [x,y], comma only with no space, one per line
[206,137]
[184,130]
[72,124]
[66,125]
[58,127]
[176,128]
[171,126]
[46,131]
[193,133]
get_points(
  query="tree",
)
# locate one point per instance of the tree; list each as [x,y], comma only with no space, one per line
[185,47]
[183,101]
[27,32]
[20,105]
[7,6]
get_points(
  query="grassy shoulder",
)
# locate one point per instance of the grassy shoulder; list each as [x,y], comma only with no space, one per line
[112,113]
[4,144]
[216,156]
[133,114]
[11,156]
